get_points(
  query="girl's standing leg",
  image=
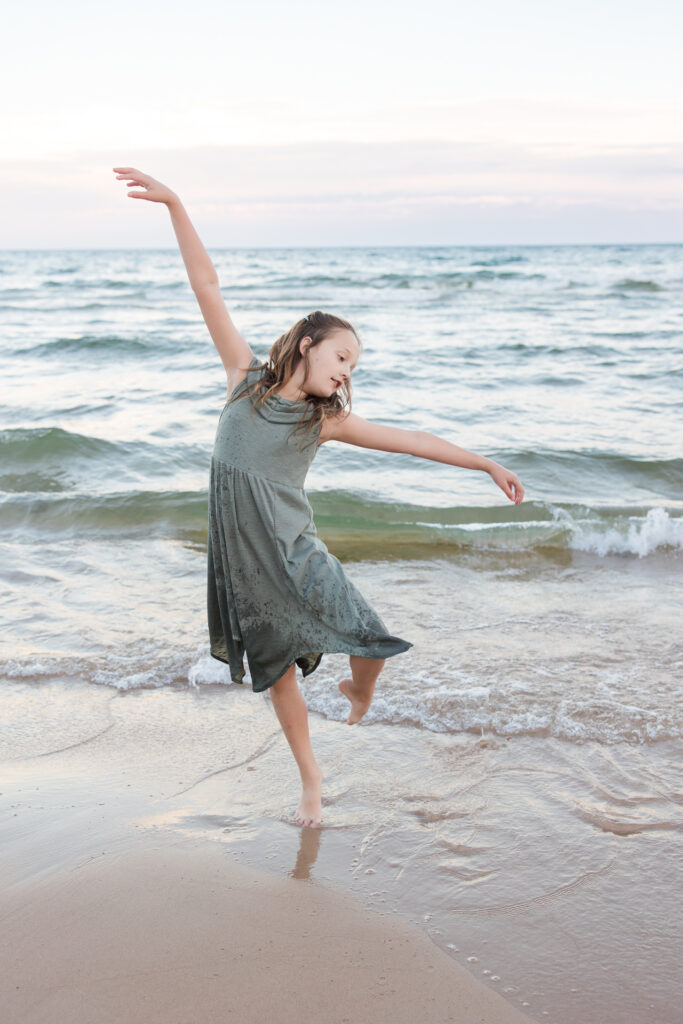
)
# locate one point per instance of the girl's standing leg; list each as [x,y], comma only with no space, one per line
[360,688]
[290,708]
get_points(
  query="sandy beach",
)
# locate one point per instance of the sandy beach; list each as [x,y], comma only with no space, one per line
[104,921]
[151,871]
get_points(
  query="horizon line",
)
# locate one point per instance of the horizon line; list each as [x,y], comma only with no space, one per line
[332,245]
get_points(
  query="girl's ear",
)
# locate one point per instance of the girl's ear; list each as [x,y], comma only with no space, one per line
[304,345]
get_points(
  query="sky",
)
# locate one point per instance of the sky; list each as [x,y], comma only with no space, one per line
[364,123]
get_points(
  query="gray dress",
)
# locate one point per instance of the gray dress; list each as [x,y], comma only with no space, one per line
[274,590]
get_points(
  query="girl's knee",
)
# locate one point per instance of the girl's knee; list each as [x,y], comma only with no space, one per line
[377,663]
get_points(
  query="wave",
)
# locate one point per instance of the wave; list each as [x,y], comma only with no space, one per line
[523,350]
[159,512]
[468,278]
[362,529]
[629,284]
[661,476]
[111,283]
[114,345]
[62,455]
[423,697]
[456,705]
[635,536]
[305,281]
[438,279]
[27,446]
[457,277]
[497,261]
[358,528]
[106,344]
[49,458]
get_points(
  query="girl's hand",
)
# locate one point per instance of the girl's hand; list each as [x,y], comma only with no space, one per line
[508,482]
[155,191]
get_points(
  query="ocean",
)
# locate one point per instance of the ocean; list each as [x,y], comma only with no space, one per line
[525,752]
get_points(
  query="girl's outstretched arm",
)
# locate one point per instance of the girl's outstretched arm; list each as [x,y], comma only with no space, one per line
[232,348]
[355,430]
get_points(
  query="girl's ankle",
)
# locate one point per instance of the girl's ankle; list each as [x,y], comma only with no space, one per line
[312,777]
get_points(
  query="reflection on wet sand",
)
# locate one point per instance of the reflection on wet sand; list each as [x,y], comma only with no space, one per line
[309,848]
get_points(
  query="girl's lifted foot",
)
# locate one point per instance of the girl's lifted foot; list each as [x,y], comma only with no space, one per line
[309,811]
[358,696]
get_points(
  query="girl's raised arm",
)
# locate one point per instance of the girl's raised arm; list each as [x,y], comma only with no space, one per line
[232,348]
[354,429]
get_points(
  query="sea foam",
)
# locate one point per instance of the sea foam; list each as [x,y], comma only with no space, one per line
[641,537]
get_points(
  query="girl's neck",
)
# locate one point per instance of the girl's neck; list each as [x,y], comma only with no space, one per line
[291,391]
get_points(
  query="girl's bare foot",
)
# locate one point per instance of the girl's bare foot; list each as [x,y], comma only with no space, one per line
[360,702]
[309,811]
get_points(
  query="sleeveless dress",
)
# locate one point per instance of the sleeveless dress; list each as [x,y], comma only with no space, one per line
[274,591]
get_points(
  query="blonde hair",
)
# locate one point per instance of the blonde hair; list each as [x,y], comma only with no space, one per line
[283,361]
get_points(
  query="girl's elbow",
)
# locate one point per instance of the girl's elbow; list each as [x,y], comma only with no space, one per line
[417,443]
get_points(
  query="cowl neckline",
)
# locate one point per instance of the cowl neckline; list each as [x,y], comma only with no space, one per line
[277,409]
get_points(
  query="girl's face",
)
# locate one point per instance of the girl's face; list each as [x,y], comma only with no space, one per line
[332,362]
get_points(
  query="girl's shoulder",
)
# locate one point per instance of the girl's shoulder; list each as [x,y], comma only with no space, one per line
[331,421]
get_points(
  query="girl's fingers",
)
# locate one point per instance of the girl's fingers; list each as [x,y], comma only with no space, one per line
[516,491]
[130,172]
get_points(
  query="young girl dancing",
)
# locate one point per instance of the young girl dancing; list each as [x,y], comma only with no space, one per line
[275,593]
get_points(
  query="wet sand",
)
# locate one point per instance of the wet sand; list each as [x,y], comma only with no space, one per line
[103,921]
[151,870]
[176,932]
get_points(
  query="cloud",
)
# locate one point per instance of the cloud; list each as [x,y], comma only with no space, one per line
[353,193]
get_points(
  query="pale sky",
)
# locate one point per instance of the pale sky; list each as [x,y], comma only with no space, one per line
[362,123]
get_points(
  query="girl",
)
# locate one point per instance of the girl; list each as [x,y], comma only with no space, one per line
[274,590]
